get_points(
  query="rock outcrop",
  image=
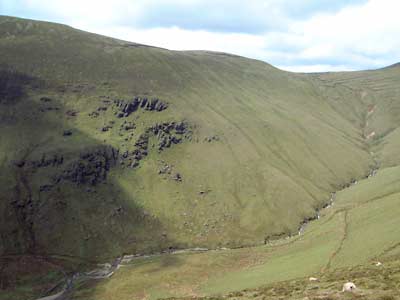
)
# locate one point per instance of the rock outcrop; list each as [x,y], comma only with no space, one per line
[91,167]
[46,160]
[166,135]
[46,99]
[67,132]
[125,108]
[170,133]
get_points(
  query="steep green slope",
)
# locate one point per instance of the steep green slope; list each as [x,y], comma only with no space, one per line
[380,91]
[109,147]
[260,149]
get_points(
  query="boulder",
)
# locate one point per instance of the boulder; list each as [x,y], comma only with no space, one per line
[94,114]
[45,99]
[45,188]
[71,113]
[177,177]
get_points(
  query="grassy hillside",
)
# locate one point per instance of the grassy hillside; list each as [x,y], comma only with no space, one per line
[109,147]
[359,230]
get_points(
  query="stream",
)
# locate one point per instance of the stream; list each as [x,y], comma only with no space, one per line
[106,270]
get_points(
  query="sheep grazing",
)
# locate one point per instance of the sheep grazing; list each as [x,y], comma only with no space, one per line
[378,264]
[313,279]
[349,287]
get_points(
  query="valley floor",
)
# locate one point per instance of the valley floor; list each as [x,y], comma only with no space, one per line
[360,229]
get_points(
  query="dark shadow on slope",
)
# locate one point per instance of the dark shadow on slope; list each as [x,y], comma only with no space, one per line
[57,193]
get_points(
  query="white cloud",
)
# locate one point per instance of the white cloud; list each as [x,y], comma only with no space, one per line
[180,39]
[360,36]
[315,68]
[92,11]
[363,35]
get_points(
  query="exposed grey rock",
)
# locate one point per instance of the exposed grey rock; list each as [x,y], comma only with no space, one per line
[67,132]
[45,99]
[19,163]
[166,169]
[128,107]
[134,164]
[170,133]
[92,166]
[128,126]
[181,127]
[49,108]
[213,138]
[47,160]
[71,113]
[117,211]
[94,114]
[166,134]
[45,188]
[105,128]
[204,192]
[177,177]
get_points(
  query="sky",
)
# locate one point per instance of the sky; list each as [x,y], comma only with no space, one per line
[294,35]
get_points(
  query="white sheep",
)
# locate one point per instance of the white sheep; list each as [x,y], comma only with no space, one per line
[349,287]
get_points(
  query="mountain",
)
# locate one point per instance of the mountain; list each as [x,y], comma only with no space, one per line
[109,147]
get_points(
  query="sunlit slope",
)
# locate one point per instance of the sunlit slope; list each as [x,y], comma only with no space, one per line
[361,227]
[379,90]
[359,230]
[263,148]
